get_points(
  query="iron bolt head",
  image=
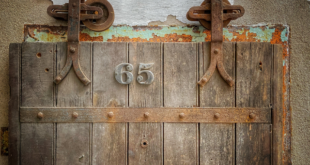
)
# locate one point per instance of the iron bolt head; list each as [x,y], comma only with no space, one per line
[216,51]
[58,78]
[139,78]
[252,115]
[217,115]
[75,115]
[74,4]
[203,80]
[181,115]
[129,68]
[40,115]
[146,114]
[110,114]
[72,49]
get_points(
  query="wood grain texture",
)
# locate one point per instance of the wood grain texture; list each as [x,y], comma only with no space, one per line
[180,90]
[253,89]
[14,125]
[277,104]
[217,140]
[37,91]
[146,96]
[109,139]
[73,139]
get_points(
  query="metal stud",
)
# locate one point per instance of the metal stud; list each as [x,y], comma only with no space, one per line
[72,49]
[40,115]
[110,114]
[252,115]
[181,115]
[75,114]
[146,114]
[217,115]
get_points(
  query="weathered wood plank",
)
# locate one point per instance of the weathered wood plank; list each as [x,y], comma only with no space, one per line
[217,140]
[254,68]
[145,139]
[37,91]
[180,90]
[73,139]
[14,125]
[109,139]
[277,106]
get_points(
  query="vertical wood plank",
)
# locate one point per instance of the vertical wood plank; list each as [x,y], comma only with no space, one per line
[109,139]
[217,140]
[73,140]
[253,89]
[277,105]
[145,139]
[14,125]
[180,90]
[37,91]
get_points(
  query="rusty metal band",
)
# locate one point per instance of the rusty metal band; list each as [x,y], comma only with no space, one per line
[183,115]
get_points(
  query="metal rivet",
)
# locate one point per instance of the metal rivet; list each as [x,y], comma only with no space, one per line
[181,115]
[75,115]
[58,78]
[74,4]
[216,51]
[252,115]
[110,114]
[144,143]
[72,49]
[217,115]
[203,80]
[40,115]
[146,114]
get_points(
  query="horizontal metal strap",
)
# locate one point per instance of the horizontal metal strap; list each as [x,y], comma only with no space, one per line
[164,114]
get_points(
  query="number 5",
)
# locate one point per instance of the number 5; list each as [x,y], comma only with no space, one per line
[143,68]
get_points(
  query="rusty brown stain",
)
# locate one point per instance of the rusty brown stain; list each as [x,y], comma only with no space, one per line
[87,37]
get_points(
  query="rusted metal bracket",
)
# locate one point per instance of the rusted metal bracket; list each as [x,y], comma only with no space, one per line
[165,114]
[219,13]
[76,11]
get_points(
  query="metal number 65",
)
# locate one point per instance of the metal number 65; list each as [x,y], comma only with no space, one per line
[119,73]
[143,69]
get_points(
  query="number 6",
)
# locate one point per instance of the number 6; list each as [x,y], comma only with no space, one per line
[143,69]
[119,73]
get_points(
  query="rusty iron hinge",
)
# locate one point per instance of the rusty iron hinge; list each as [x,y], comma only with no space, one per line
[214,15]
[97,15]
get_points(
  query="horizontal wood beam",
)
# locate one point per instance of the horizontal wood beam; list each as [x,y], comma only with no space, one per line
[164,114]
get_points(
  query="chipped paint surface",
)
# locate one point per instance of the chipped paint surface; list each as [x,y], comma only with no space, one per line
[276,34]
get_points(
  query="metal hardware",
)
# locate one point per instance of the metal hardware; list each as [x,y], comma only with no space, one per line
[217,115]
[181,115]
[146,114]
[118,73]
[252,116]
[75,115]
[165,114]
[93,17]
[143,68]
[221,13]
[40,115]
[110,114]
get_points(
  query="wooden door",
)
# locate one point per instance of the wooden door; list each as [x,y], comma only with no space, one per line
[169,121]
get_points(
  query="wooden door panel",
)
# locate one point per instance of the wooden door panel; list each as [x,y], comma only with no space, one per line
[37,91]
[145,139]
[109,144]
[253,75]
[177,68]
[73,139]
[180,90]
[217,141]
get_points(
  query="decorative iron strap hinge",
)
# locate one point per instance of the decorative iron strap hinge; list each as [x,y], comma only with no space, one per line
[214,15]
[97,15]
